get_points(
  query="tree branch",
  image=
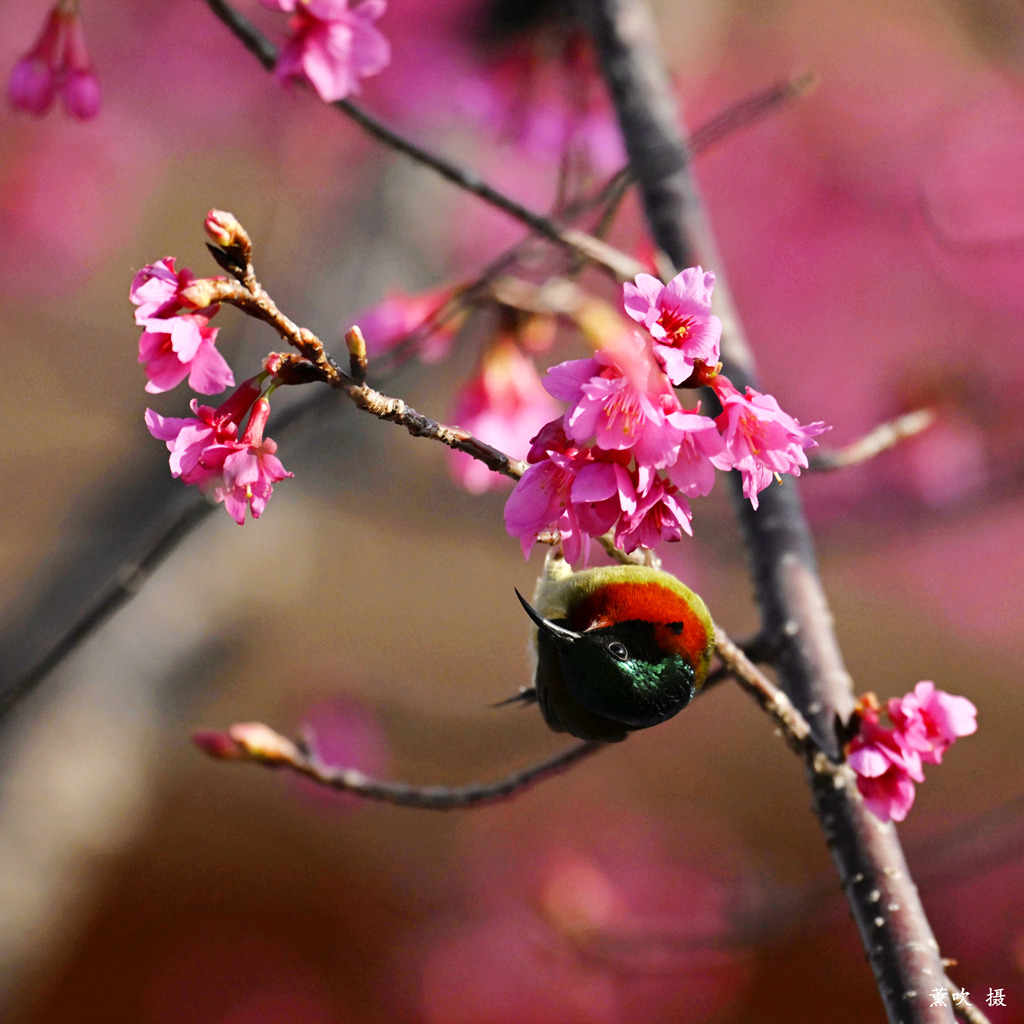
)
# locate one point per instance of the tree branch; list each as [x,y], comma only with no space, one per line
[880,439]
[613,262]
[894,929]
[259,744]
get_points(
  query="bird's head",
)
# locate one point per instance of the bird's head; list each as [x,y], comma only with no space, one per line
[633,645]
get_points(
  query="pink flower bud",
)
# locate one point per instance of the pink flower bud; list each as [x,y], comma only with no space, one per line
[80,91]
[223,228]
[32,86]
[274,361]
[33,83]
[81,95]
[219,745]
[260,741]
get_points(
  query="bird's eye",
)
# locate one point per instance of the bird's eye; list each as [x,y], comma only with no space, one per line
[617,650]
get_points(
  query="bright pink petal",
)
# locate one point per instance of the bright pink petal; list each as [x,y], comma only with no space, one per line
[678,366]
[565,381]
[164,428]
[641,299]
[690,291]
[209,373]
[164,370]
[888,796]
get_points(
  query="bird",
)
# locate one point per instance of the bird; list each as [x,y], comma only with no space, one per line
[618,648]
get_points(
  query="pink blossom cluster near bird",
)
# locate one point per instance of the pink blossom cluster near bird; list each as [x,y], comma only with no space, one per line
[626,455]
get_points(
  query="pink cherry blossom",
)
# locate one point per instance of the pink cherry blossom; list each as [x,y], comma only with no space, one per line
[661,514]
[503,404]
[156,292]
[626,455]
[249,474]
[701,451]
[195,442]
[602,492]
[541,500]
[332,45]
[761,440]
[888,762]
[186,350]
[886,770]
[929,720]
[678,317]
[174,346]
[619,398]
[206,451]
[57,62]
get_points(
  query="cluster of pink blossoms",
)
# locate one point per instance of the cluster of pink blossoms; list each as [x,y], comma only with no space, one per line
[177,340]
[210,450]
[625,456]
[889,761]
[332,44]
[58,62]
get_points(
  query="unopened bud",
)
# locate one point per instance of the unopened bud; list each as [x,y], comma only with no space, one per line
[218,744]
[356,344]
[260,742]
[356,354]
[225,230]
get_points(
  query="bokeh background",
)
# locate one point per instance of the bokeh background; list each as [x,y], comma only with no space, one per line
[873,234]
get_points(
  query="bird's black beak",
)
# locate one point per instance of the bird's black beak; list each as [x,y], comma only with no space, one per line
[559,635]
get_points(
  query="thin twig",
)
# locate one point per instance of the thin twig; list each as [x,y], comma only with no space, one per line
[883,437]
[259,744]
[394,410]
[749,110]
[771,698]
[248,295]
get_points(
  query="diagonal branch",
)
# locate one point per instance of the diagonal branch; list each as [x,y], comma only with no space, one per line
[795,617]
[617,264]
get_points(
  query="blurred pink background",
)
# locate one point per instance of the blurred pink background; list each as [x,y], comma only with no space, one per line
[873,233]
